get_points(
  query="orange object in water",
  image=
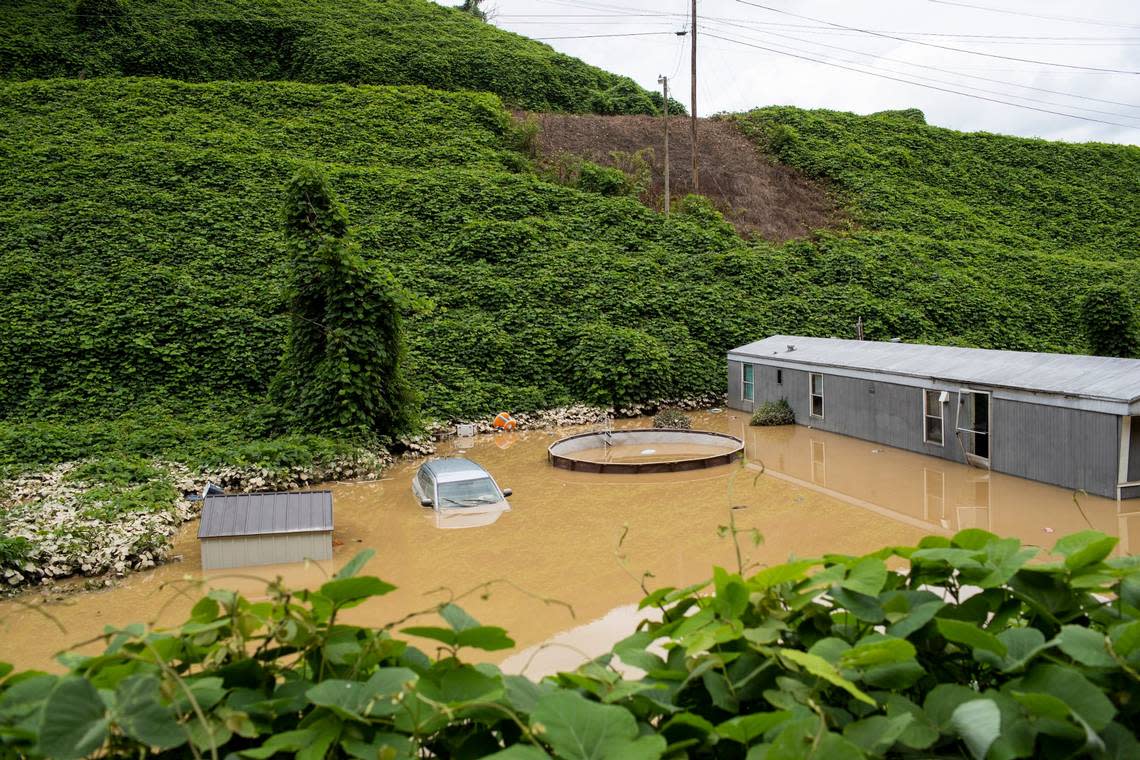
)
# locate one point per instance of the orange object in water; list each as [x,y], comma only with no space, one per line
[504,421]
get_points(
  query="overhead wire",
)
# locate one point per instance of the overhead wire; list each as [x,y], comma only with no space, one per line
[936,45]
[804,57]
[965,75]
[1007,11]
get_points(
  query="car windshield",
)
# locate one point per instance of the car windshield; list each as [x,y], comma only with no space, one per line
[469,493]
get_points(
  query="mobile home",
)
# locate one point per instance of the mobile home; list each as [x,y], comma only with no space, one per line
[1063,419]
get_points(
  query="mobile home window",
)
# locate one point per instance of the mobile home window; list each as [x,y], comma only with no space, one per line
[779,377]
[932,417]
[815,391]
[746,384]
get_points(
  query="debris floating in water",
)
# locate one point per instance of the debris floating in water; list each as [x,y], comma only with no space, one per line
[648,452]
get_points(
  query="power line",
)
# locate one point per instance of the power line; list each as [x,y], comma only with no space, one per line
[592,36]
[1070,19]
[918,84]
[935,45]
[960,74]
[990,92]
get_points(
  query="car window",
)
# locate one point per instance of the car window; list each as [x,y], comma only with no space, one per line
[469,493]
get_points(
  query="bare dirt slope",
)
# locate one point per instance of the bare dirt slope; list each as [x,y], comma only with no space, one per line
[760,196]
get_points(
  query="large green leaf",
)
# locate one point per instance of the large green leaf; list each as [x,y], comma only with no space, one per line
[343,592]
[359,700]
[1084,698]
[882,651]
[877,734]
[943,700]
[1085,548]
[779,574]
[519,752]
[1085,646]
[486,637]
[578,729]
[354,565]
[75,720]
[821,668]
[745,728]
[457,617]
[140,713]
[968,634]
[978,722]
[867,576]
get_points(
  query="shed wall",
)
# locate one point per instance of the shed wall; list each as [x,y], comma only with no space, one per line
[281,548]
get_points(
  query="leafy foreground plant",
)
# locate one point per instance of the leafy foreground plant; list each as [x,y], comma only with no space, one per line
[970,652]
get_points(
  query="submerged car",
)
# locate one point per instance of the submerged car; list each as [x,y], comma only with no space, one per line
[459,490]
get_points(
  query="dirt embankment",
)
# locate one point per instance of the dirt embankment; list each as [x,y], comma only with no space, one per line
[761,197]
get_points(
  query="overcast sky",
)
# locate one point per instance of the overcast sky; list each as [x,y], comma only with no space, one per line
[1092,34]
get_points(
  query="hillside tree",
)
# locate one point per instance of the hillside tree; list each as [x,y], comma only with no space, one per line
[1109,317]
[342,370]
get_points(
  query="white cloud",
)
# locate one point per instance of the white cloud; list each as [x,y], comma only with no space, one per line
[734,77]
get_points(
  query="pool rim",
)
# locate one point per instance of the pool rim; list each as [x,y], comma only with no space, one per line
[687,464]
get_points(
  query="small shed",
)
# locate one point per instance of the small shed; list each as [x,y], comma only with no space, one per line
[265,528]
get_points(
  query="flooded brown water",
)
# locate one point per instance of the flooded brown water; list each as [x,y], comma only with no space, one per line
[819,492]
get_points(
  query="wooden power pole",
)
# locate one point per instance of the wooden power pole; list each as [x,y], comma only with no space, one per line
[693,116]
[664,80]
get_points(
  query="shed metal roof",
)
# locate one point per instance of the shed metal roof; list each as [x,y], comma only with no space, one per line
[261,514]
[1100,378]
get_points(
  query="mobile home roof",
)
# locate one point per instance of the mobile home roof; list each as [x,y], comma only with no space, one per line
[260,514]
[1099,378]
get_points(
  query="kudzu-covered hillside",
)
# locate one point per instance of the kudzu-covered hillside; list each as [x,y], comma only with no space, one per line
[142,275]
[393,42]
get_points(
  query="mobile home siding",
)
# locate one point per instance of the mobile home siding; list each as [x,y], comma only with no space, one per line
[241,551]
[1066,447]
[885,413]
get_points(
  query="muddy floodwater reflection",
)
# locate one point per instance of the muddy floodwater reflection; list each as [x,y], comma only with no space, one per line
[558,546]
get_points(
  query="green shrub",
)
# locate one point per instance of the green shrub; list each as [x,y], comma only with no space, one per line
[838,656]
[13,550]
[603,180]
[774,413]
[116,470]
[671,417]
[1110,323]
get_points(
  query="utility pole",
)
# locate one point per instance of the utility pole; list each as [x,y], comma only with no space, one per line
[693,117]
[664,80]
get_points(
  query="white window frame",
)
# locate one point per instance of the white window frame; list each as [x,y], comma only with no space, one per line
[926,414]
[747,387]
[812,394]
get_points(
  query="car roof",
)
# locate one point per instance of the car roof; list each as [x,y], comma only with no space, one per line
[449,469]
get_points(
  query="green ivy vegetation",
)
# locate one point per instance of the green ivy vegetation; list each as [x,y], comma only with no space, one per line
[395,42]
[144,278]
[968,651]
[1109,318]
[343,368]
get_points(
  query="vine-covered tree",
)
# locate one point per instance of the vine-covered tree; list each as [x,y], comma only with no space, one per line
[1109,317]
[342,369]
[472,7]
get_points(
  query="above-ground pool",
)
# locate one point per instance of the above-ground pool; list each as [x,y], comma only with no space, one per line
[645,450]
